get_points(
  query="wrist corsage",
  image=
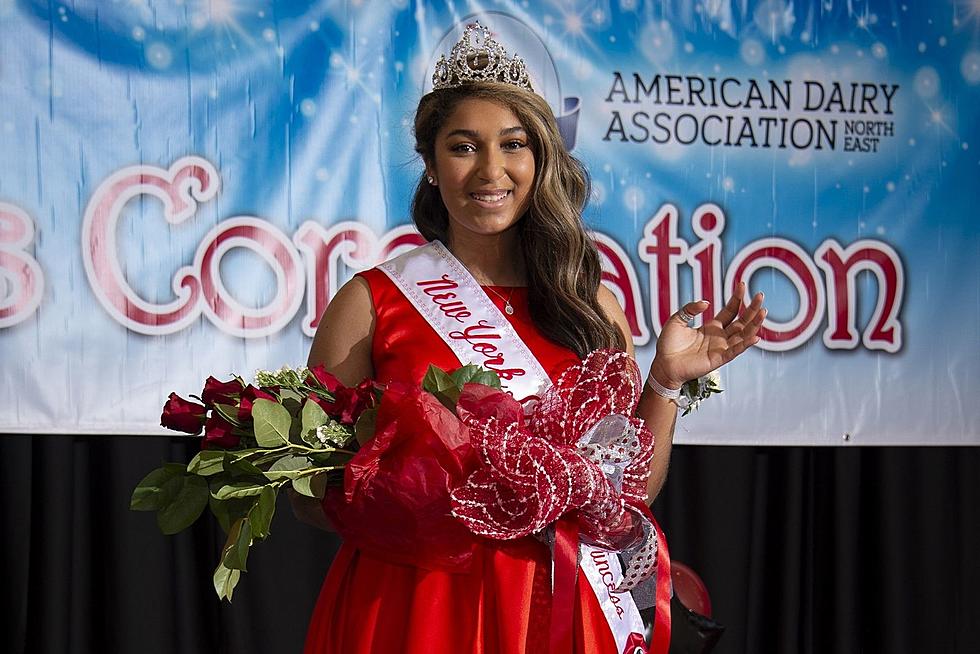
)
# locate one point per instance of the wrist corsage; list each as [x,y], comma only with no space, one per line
[695,390]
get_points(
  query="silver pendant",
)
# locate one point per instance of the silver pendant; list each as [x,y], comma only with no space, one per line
[508,309]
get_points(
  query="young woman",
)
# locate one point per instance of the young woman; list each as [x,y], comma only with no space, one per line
[504,197]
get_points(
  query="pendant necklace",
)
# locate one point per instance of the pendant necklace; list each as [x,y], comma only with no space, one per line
[508,307]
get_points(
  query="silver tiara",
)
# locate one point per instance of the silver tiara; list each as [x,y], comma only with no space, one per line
[477,57]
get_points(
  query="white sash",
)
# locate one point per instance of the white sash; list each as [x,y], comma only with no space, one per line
[455,306]
[604,572]
[463,316]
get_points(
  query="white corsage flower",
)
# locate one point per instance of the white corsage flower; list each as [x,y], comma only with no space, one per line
[695,390]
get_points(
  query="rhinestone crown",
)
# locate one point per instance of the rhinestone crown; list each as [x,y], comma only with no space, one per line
[477,57]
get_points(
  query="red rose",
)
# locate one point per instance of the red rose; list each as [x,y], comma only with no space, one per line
[362,398]
[248,397]
[348,403]
[182,415]
[320,374]
[218,432]
[219,392]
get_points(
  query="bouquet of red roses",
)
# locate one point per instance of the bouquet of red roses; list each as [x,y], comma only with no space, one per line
[453,458]
[294,427]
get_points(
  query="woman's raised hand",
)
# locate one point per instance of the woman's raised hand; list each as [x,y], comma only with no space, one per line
[685,353]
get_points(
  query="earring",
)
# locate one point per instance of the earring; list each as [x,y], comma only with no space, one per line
[431,180]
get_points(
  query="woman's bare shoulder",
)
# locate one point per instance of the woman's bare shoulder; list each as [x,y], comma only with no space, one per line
[614,312]
[343,338]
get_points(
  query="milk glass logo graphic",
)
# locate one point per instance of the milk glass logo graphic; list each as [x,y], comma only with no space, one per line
[519,39]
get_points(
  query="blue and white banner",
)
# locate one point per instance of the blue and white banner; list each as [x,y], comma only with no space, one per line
[185,184]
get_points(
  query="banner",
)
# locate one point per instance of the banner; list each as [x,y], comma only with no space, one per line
[185,185]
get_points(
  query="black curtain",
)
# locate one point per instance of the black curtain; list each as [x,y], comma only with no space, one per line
[811,550]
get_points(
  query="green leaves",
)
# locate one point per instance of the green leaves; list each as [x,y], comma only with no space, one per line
[190,498]
[314,485]
[228,511]
[470,374]
[271,422]
[228,412]
[207,462]
[447,387]
[225,580]
[286,439]
[153,493]
[262,511]
[240,466]
[287,467]
[235,552]
[238,489]
[177,496]
[437,380]
[252,524]
[313,416]
[320,431]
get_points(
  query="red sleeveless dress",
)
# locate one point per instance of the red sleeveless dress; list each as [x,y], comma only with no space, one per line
[495,598]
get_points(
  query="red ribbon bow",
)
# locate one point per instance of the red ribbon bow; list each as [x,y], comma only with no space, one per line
[534,469]
[549,462]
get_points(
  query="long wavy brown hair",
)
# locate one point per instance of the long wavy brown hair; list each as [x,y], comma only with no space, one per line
[563,268]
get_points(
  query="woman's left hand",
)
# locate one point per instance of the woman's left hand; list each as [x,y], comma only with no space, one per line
[685,353]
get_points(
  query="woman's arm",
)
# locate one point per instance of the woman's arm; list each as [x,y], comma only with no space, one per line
[685,353]
[658,413]
[343,338]
[343,345]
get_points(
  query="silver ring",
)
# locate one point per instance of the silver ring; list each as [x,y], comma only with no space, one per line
[685,316]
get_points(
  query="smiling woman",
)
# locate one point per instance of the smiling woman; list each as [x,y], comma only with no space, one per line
[548,251]
[510,280]
[484,169]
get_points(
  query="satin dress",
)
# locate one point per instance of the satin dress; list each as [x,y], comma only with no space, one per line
[454,595]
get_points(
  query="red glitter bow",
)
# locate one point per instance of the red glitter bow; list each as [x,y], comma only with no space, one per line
[577,448]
